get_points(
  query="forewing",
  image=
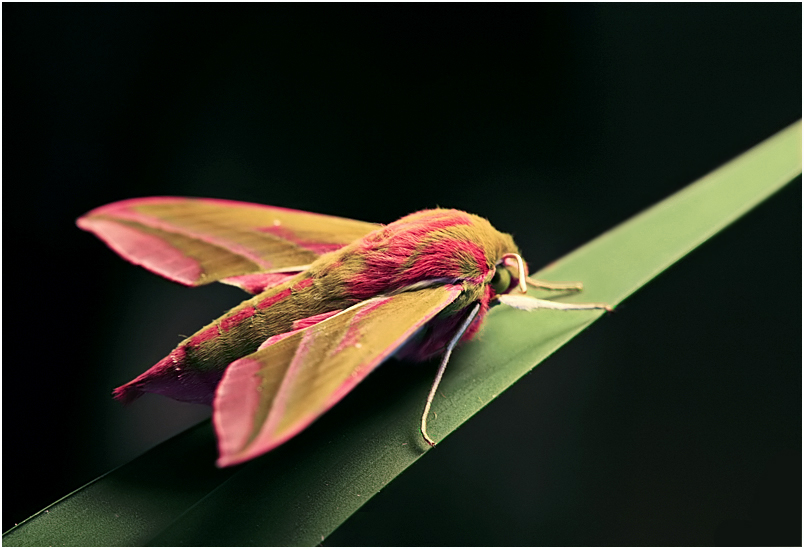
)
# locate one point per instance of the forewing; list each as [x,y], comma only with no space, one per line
[196,241]
[269,396]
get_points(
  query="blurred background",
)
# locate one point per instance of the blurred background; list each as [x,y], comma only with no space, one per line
[676,421]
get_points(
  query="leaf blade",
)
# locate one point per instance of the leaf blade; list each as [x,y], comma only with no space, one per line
[130,504]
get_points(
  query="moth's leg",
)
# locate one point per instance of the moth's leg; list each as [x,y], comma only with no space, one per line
[443,366]
[545,304]
[529,303]
[555,286]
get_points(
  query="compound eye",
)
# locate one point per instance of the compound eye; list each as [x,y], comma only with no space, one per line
[501,279]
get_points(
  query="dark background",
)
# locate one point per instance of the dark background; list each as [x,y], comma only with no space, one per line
[676,421]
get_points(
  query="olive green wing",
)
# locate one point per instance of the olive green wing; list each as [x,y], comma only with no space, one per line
[196,241]
[268,397]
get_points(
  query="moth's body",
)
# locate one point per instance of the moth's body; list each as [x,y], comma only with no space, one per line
[333,299]
[430,247]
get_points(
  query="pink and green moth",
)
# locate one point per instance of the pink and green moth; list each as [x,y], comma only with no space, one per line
[332,299]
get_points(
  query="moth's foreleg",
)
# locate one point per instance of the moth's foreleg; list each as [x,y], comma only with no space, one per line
[545,304]
[442,367]
[528,303]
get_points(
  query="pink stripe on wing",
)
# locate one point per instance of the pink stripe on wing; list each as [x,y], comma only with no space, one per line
[258,282]
[352,335]
[236,416]
[313,320]
[147,250]
[236,402]
[126,210]
[453,291]
[282,395]
[276,339]
[284,233]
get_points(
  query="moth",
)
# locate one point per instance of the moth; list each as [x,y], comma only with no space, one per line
[332,299]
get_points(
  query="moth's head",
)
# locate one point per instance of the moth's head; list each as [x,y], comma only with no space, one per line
[509,274]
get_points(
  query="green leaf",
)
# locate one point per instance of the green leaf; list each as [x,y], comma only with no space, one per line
[302,491]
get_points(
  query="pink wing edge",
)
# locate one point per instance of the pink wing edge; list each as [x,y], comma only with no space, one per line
[145,250]
[237,396]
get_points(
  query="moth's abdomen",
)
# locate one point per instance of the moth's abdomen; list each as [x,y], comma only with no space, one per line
[192,371]
[173,376]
